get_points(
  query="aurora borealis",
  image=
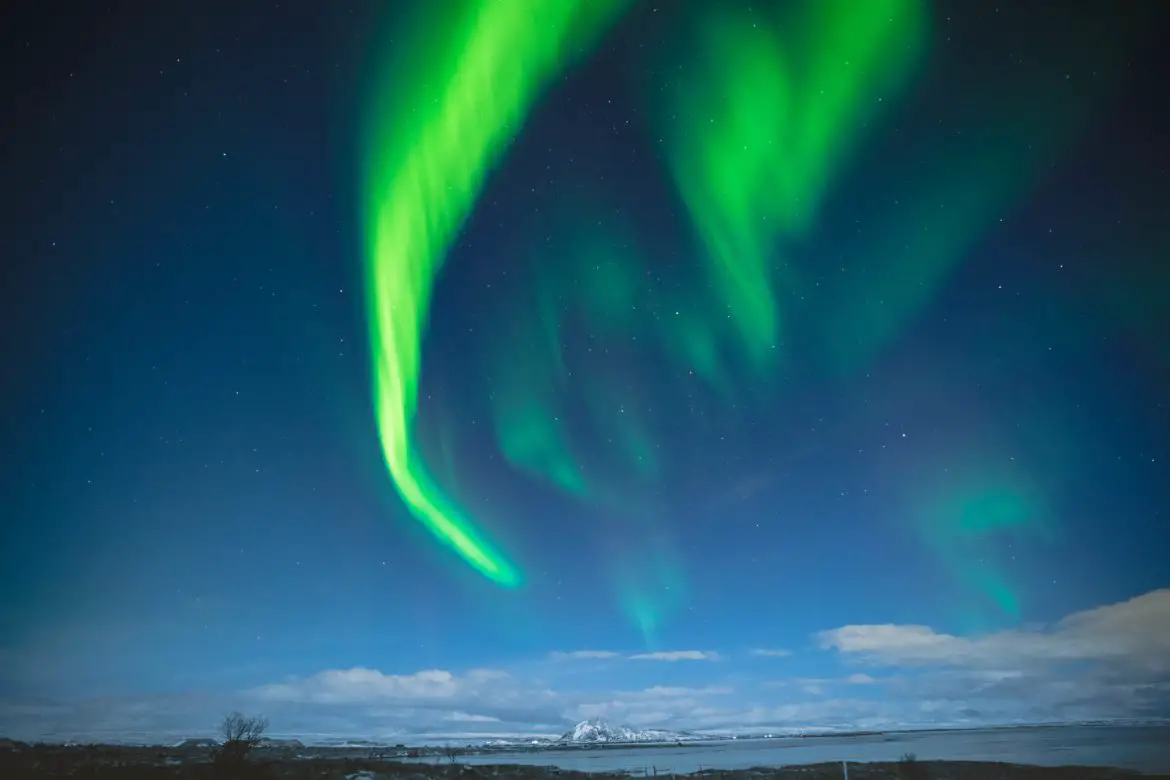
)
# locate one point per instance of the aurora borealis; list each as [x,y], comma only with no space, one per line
[527,360]
[424,178]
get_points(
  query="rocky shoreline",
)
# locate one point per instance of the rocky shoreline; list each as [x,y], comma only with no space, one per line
[95,762]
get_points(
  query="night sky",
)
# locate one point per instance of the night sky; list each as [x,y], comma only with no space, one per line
[417,370]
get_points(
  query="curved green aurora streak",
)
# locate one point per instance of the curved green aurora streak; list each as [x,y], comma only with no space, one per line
[761,114]
[434,135]
[768,103]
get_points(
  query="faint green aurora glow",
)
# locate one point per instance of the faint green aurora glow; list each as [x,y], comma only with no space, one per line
[588,282]
[759,121]
[571,406]
[756,127]
[434,134]
[650,585]
[1013,131]
[969,517]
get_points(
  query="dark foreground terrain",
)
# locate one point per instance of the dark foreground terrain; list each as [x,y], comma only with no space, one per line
[151,763]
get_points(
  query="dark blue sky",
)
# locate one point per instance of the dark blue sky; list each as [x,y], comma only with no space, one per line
[196,510]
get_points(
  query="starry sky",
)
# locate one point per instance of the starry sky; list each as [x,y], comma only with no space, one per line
[406,370]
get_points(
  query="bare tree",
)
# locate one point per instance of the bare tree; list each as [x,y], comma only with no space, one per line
[240,734]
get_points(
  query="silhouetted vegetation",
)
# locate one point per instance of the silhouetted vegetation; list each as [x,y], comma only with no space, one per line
[240,735]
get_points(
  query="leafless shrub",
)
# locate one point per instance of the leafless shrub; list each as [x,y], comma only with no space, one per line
[240,734]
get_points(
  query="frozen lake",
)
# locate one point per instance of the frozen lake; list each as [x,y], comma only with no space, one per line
[1146,749]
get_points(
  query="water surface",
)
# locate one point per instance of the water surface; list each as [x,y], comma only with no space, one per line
[1145,749]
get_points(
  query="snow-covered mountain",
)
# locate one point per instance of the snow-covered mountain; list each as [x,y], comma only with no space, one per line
[597,730]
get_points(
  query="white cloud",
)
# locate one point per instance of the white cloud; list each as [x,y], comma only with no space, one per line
[465,717]
[1112,661]
[816,685]
[665,655]
[1106,662]
[669,691]
[582,655]
[1135,631]
[764,652]
[361,685]
[677,655]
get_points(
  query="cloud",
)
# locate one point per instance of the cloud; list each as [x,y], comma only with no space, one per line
[1107,662]
[677,655]
[816,685]
[466,717]
[1133,631]
[669,691]
[763,652]
[582,655]
[361,685]
[666,655]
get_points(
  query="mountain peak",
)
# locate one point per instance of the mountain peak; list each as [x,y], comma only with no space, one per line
[596,730]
